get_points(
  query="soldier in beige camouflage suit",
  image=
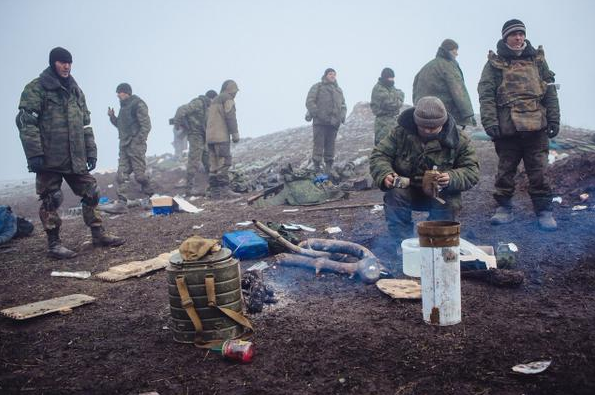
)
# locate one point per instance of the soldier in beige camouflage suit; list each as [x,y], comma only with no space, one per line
[520,110]
[55,130]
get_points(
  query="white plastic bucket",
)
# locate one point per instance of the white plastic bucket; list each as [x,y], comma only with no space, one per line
[411,257]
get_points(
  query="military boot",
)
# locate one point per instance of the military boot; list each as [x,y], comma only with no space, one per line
[195,191]
[502,216]
[103,239]
[147,188]
[117,207]
[227,193]
[546,221]
[317,166]
[55,248]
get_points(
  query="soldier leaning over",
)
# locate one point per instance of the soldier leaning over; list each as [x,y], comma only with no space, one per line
[520,110]
[55,130]
[386,103]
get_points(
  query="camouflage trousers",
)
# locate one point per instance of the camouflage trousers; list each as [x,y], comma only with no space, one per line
[532,149]
[131,160]
[400,202]
[197,154]
[180,142]
[219,164]
[323,144]
[48,187]
[383,126]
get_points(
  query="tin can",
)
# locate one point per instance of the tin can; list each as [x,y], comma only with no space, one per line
[238,350]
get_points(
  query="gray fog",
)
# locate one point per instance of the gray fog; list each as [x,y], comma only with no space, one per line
[172,51]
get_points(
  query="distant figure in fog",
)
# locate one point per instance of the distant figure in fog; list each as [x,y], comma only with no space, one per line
[386,103]
[327,109]
[180,125]
[55,130]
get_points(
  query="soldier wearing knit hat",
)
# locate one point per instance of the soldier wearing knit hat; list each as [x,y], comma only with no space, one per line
[425,138]
[386,103]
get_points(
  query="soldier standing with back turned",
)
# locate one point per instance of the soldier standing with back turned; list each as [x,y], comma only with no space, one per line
[55,129]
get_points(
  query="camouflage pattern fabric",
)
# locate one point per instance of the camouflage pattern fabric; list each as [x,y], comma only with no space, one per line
[239,182]
[62,133]
[326,104]
[386,102]
[442,77]
[219,164]
[323,143]
[83,185]
[196,115]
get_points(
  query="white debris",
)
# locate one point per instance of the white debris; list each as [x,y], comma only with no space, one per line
[258,266]
[532,367]
[160,160]
[579,208]
[83,274]
[304,227]
[557,199]
[584,197]
[290,227]
[110,186]
[244,223]
[376,208]
[291,210]
[186,206]
[197,227]
[333,229]
[512,247]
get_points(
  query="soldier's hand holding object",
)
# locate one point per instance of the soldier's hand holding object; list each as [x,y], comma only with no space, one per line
[389,180]
[443,179]
[552,130]
[91,163]
[493,131]
[35,164]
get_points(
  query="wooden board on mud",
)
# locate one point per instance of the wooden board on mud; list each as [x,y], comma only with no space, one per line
[135,268]
[400,289]
[61,304]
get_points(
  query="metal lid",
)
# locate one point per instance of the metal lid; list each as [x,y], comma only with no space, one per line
[219,256]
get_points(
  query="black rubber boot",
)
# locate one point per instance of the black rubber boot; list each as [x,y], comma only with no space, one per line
[55,248]
[103,239]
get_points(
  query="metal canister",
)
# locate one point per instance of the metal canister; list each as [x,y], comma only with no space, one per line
[216,325]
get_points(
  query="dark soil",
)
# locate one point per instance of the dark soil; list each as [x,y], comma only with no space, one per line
[327,334]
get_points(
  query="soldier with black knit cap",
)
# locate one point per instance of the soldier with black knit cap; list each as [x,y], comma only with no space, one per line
[442,77]
[55,129]
[133,124]
[386,103]
[326,108]
[520,111]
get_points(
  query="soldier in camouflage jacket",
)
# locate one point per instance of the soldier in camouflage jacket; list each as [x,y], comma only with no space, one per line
[386,103]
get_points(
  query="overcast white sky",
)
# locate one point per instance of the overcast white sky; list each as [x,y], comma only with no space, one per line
[171,51]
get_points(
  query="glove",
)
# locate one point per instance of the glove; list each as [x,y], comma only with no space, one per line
[235,139]
[35,164]
[91,163]
[552,130]
[493,131]
[308,117]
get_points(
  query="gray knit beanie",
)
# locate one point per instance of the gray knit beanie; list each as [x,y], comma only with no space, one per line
[511,26]
[430,112]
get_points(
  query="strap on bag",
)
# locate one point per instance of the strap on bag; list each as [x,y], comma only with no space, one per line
[234,315]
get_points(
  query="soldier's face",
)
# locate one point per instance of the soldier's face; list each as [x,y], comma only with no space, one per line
[331,77]
[122,95]
[428,133]
[454,52]
[62,68]
[515,40]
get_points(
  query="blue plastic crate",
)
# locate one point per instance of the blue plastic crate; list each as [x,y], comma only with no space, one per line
[245,244]
[163,210]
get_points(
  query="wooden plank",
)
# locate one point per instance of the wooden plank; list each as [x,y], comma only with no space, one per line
[135,268]
[55,305]
[400,289]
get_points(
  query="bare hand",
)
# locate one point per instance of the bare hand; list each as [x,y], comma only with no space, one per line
[389,180]
[443,179]
[110,112]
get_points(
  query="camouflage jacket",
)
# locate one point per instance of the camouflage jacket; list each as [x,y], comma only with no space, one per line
[180,121]
[196,115]
[326,104]
[442,77]
[406,154]
[133,121]
[386,100]
[60,126]
[221,119]
[500,103]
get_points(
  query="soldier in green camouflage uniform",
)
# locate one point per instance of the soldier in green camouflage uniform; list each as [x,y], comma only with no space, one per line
[386,103]
[425,138]
[196,116]
[327,109]
[442,77]
[520,110]
[55,130]
[180,125]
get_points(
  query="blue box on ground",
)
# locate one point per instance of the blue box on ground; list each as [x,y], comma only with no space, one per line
[163,205]
[245,244]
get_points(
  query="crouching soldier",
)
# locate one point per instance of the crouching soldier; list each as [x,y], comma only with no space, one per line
[426,138]
[55,130]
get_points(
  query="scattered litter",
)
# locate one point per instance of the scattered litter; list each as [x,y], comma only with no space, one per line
[115,216]
[579,208]
[146,214]
[291,210]
[193,198]
[135,268]
[197,227]
[258,266]
[290,227]
[110,186]
[304,227]
[513,247]
[584,197]
[160,160]
[83,274]
[532,367]
[342,380]
[557,199]
[400,289]
[554,156]
[376,209]
[333,229]
[103,200]
[72,211]
[244,223]
[186,206]
[165,328]
[55,305]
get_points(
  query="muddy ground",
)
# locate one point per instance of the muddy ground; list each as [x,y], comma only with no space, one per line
[327,334]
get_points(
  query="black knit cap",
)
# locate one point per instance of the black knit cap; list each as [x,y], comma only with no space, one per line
[387,73]
[329,70]
[511,26]
[449,44]
[60,54]
[124,88]
[211,94]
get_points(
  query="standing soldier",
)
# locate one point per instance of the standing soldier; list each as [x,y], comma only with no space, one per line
[442,77]
[222,126]
[519,111]
[326,107]
[55,129]
[386,103]
[133,125]
[196,115]
[180,128]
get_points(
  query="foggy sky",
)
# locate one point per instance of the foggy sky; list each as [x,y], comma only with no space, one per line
[172,51]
